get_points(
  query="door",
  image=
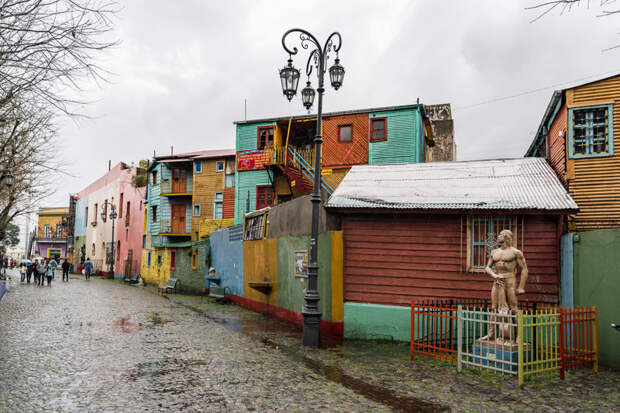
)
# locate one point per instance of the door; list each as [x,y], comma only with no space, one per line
[178,218]
[179,180]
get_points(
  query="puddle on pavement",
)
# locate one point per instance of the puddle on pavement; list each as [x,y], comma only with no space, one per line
[380,394]
[125,325]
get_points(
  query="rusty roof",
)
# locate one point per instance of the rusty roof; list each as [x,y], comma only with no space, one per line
[214,153]
[502,184]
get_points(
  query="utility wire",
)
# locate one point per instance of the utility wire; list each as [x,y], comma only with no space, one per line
[529,92]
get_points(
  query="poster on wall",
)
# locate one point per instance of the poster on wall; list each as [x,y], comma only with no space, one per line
[252,159]
[301,263]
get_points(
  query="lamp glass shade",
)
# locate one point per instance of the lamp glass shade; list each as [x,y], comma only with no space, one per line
[289,77]
[307,95]
[103,215]
[336,74]
[9,179]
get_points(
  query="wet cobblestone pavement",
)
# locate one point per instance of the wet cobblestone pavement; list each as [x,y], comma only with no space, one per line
[101,346]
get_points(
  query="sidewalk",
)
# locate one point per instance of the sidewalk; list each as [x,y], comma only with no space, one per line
[382,371]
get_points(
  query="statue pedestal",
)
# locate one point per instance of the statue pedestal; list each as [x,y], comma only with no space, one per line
[501,355]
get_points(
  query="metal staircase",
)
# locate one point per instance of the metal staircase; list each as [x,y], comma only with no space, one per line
[300,170]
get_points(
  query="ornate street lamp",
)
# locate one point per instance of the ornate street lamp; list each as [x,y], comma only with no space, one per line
[113,215]
[9,179]
[317,59]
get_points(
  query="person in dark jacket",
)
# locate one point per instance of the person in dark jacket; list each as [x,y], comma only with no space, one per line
[65,270]
[88,268]
[29,271]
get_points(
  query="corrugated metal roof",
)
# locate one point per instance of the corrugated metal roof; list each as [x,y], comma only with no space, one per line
[215,153]
[518,184]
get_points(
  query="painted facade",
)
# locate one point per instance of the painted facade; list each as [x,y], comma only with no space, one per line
[275,157]
[93,234]
[51,238]
[579,136]
[188,196]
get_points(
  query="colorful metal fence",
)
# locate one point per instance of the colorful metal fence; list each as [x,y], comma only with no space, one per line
[538,339]
[578,338]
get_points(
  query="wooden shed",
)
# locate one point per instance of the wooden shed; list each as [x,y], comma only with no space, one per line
[425,230]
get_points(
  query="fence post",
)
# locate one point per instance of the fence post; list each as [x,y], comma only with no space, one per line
[412,329]
[562,344]
[595,338]
[459,337]
[520,343]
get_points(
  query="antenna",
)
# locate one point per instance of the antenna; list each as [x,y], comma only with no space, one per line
[171,150]
[245,109]
[109,165]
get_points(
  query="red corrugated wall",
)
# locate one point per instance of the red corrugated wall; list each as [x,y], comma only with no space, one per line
[336,153]
[228,203]
[392,259]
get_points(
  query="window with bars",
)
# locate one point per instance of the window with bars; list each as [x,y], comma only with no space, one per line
[591,131]
[264,196]
[255,227]
[483,233]
[217,205]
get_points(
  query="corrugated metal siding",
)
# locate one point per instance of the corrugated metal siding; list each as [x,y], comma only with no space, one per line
[246,186]
[228,207]
[336,153]
[595,182]
[247,135]
[402,143]
[154,200]
[557,144]
[390,259]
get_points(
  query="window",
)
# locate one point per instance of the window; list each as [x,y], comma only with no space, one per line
[264,196]
[143,241]
[95,215]
[196,236]
[217,205]
[120,207]
[86,214]
[93,250]
[483,233]
[265,137]
[47,231]
[219,166]
[127,213]
[591,131]
[154,177]
[154,210]
[255,227]
[118,250]
[159,260]
[148,260]
[229,181]
[198,166]
[126,235]
[104,217]
[194,260]
[173,260]
[345,133]
[378,129]
[58,231]
[196,210]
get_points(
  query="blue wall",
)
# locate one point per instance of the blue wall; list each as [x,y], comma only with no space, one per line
[227,258]
[81,219]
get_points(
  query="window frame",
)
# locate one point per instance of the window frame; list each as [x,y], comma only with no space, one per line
[609,137]
[154,213]
[154,177]
[215,202]
[228,177]
[173,259]
[194,210]
[385,129]
[470,237]
[262,187]
[148,260]
[258,130]
[346,125]
[198,166]
[218,168]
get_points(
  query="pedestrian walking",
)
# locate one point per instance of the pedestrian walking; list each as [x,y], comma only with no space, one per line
[29,271]
[51,270]
[88,268]
[22,272]
[65,270]
[41,269]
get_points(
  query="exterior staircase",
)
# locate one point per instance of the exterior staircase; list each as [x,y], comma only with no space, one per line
[299,169]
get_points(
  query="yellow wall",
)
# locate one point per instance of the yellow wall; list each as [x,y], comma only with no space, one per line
[206,184]
[52,221]
[337,277]
[207,226]
[594,183]
[260,264]
[155,274]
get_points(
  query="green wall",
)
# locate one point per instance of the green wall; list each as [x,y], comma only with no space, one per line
[404,141]
[291,288]
[78,242]
[246,183]
[191,281]
[597,282]
[247,136]
[377,322]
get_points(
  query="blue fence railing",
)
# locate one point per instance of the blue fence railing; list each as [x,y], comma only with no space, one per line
[308,170]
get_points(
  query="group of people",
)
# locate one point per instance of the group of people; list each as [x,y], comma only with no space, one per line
[43,269]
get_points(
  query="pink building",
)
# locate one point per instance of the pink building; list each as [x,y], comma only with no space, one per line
[93,233]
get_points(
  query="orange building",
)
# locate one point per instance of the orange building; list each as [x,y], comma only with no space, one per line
[51,239]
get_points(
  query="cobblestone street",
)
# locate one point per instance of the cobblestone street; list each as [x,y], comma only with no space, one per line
[104,346]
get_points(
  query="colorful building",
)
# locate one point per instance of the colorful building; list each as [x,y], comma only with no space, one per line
[92,236]
[189,196]
[275,156]
[51,238]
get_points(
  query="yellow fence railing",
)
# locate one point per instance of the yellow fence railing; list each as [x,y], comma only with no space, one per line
[538,339]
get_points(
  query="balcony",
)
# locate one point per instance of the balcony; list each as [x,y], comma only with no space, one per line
[175,188]
[166,228]
[49,239]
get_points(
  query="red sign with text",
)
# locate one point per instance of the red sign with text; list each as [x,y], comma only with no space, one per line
[252,159]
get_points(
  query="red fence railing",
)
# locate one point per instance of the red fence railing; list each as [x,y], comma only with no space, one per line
[578,338]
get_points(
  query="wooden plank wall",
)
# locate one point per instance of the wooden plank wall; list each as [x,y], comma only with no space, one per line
[336,153]
[594,183]
[206,184]
[229,203]
[557,144]
[392,259]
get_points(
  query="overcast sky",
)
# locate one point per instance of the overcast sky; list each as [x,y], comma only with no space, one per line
[184,68]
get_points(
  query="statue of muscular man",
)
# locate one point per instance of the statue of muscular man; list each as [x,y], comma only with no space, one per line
[504,293]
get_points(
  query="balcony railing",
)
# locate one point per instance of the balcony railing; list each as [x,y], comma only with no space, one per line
[166,188]
[278,155]
[165,227]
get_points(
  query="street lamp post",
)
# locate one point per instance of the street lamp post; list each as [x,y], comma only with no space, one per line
[113,217]
[289,77]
